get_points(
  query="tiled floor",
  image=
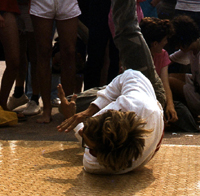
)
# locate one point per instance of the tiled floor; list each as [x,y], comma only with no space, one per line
[55,168]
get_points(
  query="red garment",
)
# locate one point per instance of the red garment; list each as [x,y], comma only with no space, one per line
[9,6]
[161,60]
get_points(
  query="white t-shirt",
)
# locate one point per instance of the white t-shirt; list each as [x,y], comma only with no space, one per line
[188,58]
[130,91]
[188,5]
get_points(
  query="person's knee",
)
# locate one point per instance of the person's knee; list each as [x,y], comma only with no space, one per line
[13,68]
[12,62]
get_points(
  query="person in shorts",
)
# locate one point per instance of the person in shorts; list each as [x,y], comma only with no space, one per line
[27,54]
[65,13]
[9,38]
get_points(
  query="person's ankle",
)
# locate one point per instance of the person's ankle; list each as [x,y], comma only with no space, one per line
[35,98]
[18,92]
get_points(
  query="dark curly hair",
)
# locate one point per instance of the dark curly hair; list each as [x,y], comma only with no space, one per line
[118,138]
[155,29]
[186,31]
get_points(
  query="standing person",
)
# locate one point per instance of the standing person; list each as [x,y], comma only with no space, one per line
[190,8]
[9,38]
[27,53]
[65,14]
[127,127]
[99,36]
[133,50]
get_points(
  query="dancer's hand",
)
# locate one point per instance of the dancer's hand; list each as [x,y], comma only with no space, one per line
[70,123]
[68,108]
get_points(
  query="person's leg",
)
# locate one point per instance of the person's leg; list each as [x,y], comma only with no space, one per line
[55,80]
[98,39]
[32,54]
[177,81]
[33,107]
[23,62]
[67,31]
[133,50]
[113,70]
[10,40]
[19,98]
[43,34]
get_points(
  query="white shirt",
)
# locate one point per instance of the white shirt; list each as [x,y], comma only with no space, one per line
[188,58]
[130,91]
[188,5]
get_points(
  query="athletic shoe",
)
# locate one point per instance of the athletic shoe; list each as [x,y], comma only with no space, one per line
[31,108]
[16,102]
[55,102]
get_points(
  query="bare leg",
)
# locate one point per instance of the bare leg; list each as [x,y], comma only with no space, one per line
[67,31]
[33,60]
[68,108]
[43,32]
[10,39]
[23,60]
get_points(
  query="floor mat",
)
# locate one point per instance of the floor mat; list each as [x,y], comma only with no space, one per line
[55,168]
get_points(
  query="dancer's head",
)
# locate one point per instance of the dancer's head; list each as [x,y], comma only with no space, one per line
[115,138]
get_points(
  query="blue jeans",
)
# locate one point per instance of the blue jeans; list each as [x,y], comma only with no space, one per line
[148,10]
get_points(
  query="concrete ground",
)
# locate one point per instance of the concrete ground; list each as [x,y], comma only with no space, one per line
[35,159]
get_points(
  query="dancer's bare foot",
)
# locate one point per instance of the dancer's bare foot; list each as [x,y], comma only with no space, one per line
[45,118]
[68,108]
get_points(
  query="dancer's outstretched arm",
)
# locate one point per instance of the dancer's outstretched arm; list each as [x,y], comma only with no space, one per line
[70,123]
[68,109]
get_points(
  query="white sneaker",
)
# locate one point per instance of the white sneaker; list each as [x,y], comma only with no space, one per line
[32,108]
[16,102]
[55,102]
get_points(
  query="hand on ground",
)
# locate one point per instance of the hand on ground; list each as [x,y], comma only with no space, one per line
[171,115]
